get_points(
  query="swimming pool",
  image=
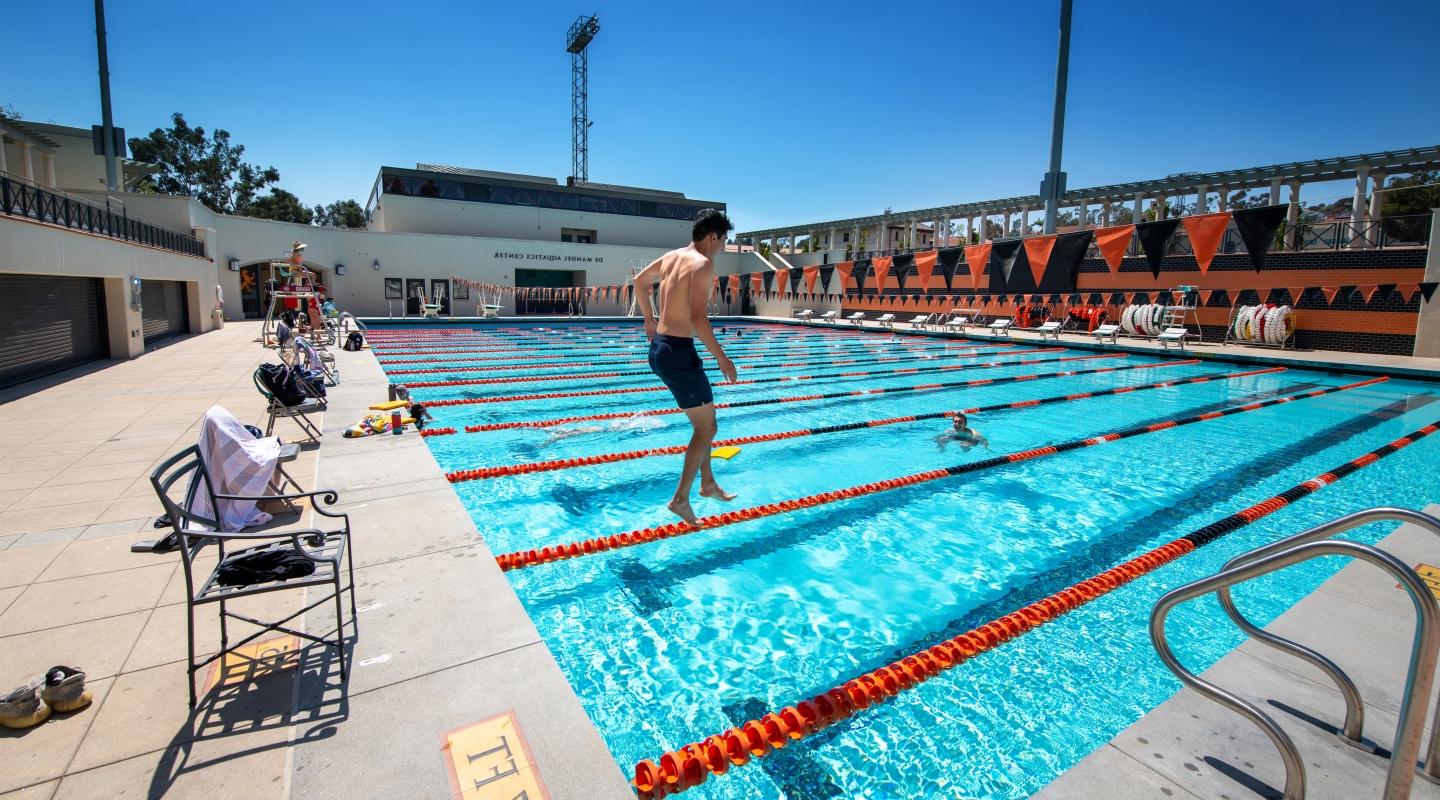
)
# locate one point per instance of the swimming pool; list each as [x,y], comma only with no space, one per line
[671,641]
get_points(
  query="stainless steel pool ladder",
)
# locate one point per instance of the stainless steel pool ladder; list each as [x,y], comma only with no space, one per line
[1292,550]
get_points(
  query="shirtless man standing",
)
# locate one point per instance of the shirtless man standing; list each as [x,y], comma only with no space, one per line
[685,277]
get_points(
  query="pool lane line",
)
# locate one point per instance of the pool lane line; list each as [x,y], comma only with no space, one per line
[842,336]
[461,401]
[505,470]
[690,765]
[530,558]
[732,345]
[711,367]
[919,352]
[806,398]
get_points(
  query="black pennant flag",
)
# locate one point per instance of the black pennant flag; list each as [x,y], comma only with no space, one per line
[1257,228]
[1154,238]
[1002,262]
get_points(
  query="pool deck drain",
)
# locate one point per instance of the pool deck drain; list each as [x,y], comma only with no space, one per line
[1191,747]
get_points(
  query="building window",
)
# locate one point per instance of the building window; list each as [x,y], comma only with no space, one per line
[577,236]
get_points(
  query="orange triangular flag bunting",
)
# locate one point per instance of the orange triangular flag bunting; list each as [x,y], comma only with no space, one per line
[879,268]
[734,283]
[976,256]
[1295,292]
[1037,251]
[757,283]
[811,273]
[1369,292]
[1330,292]
[1113,242]
[1407,290]
[845,268]
[925,268]
[1206,231]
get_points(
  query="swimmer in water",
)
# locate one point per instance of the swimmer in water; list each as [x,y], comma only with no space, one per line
[632,423]
[962,434]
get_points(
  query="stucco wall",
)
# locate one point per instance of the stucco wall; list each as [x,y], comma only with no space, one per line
[402,214]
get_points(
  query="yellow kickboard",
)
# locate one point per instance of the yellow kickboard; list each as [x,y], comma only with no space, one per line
[393,404]
[724,452]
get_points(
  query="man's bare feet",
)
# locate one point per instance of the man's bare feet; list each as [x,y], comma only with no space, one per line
[714,492]
[682,509]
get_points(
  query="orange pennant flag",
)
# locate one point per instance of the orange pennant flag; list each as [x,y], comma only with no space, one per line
[812,272]
[845,268]
[880,268]
[757,283]
[1295,293]
[1330,292]
[1205,296]
[1113,242]
[976,257]
[1407,290]
[925,268]
[1206,231]
[1037,250]
[733,283]
[1369,292]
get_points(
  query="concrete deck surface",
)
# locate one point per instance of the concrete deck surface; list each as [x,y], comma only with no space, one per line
[1191,747]
[443,641]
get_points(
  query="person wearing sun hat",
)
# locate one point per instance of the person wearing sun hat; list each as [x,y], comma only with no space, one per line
[297,277]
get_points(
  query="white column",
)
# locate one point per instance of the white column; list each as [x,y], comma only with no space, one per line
[3,166]
[26,163]
[914,227]
[1135,210]
[1202,198]
[1223,195]
[855,242]
[1024,220]
[1160,211]
[1084,214]
[1378,182]
[1357,208]
[48,159]
[945,226]
[1274,191]
[1105,213]
[833,243]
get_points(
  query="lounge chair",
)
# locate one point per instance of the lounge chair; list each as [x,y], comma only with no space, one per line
[804,314]
[921,320]
[181,482]
[1107,330]
[1050,329]
[857,317]
[277,410]
[1000,327]
[830,316]
[886,320]
[1172,335]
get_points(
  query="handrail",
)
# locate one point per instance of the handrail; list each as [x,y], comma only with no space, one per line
[1354,708]
[1409,728]
[21,198]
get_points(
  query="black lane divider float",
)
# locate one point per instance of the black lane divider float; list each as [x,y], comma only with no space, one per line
[692,764]
[530,558]
[807,398]
[462,401]
[710,367]
[505,470]
[916,352]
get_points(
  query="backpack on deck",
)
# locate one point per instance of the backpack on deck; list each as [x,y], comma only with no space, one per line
[288,385]
[355,341]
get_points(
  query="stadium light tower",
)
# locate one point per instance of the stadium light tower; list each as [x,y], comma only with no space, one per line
[576,40]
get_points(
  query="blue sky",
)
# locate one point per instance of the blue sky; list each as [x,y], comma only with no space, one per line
[788,112]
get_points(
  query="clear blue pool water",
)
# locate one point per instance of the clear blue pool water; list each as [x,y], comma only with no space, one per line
[669,642]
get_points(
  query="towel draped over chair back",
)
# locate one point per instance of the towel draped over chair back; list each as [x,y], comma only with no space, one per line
[237,463]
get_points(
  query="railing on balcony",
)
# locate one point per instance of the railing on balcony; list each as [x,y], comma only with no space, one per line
[20,198]
[1380,234]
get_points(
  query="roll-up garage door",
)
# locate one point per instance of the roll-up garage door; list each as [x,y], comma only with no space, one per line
[48,324]
[165,313]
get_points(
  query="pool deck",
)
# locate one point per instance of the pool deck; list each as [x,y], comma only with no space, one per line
[1191,747]
[443,641]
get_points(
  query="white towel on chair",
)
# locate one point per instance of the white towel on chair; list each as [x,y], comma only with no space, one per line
[312,356]
[238,463]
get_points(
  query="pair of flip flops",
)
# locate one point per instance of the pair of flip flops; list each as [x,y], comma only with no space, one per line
[60,689]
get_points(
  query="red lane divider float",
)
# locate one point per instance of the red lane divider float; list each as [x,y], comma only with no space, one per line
[742,346]
[692,764]
[514,398]
[930,352]
[530,558]
[579,376]
[505,470]
[922,387]
[436,431]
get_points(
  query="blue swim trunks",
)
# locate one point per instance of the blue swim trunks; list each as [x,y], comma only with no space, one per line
[674,360]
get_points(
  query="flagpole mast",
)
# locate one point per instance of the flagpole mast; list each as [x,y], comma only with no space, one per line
[1054,183]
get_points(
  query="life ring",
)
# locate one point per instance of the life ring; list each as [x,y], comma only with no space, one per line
[1279,324]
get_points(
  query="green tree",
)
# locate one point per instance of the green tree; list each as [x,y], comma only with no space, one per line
[340,214]
[1405,208]
[279,205]
[206,167]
